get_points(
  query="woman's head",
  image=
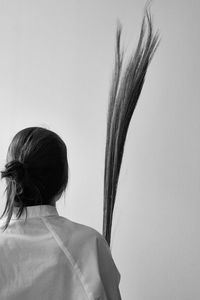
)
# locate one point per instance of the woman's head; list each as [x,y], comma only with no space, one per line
[36,170]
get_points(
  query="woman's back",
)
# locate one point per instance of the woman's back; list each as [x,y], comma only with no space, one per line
[43,255]
[51,257]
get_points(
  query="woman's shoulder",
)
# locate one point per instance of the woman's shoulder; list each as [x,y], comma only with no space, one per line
[90,254]
[75,234]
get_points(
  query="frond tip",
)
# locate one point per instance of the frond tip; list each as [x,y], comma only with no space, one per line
[124,94]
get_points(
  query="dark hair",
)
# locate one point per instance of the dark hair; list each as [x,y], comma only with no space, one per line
[36,170]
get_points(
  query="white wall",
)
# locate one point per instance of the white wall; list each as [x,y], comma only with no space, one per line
[56,59]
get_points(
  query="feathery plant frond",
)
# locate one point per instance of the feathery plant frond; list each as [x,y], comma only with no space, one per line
[124,94]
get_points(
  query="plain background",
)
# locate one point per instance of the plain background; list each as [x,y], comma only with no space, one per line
[56,61]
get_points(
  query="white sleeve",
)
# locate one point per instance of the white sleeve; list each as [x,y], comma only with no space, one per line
[109,274]
[98,271]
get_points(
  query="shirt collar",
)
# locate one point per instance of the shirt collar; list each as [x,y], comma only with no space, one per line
[36,211]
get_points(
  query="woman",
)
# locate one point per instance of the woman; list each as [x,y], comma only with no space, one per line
[43,255]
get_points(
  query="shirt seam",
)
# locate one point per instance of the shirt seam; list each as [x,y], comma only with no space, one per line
[68,255]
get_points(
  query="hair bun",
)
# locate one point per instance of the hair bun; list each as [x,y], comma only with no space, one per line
[14,170]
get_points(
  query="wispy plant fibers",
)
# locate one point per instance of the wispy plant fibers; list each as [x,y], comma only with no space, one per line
[124,94]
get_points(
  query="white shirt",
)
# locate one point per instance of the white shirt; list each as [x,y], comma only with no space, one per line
[50,257]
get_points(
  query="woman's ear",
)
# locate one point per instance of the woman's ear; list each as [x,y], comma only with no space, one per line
[55,198]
